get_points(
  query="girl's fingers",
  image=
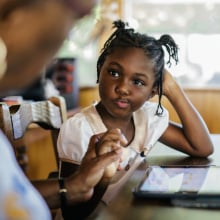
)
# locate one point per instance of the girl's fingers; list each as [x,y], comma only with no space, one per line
[112,139]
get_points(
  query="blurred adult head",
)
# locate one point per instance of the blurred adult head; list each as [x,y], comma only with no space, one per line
[31,33]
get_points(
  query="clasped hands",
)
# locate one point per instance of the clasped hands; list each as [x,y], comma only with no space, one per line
[104,154]
[98,166]
[111,141]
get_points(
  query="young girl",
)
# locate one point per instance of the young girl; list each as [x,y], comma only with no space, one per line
[130,72]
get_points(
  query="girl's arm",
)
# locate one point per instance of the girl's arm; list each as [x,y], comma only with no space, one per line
[192,135]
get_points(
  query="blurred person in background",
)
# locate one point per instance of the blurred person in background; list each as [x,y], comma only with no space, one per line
[31,32]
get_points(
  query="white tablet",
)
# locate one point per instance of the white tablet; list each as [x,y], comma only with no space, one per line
[181,182]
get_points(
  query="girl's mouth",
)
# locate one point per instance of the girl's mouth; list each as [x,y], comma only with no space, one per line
[122,103]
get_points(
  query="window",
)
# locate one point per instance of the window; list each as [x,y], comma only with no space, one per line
[195,26]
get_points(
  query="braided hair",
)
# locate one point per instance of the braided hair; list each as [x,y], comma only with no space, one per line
[153,48]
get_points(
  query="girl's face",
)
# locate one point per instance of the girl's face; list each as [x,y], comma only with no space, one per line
[126,81]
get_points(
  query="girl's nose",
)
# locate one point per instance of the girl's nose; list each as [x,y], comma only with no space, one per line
[122,88]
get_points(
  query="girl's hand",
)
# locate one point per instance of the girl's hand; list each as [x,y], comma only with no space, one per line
[169,83]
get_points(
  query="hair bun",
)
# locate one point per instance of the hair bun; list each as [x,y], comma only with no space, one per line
[119,24]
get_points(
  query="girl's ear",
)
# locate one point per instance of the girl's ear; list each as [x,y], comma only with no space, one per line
[154,92]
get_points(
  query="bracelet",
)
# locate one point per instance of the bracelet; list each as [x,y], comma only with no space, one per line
[62,191]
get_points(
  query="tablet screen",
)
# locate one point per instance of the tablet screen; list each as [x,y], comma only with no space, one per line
[181,180]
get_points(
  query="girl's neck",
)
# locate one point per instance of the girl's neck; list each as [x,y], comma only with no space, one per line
[125,124]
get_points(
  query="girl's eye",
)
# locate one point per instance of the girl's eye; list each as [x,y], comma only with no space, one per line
[139,82]
[114,73]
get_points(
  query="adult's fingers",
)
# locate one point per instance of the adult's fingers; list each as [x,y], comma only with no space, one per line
[107,159]
[92,170]
[91,151]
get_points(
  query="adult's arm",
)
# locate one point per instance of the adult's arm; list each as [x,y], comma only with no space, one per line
[80,185]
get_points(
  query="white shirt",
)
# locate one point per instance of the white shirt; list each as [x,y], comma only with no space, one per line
[75,134]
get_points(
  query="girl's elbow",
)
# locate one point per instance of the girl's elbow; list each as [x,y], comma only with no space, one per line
[208,151]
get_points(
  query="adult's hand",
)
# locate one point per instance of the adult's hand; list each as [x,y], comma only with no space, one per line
[103,153]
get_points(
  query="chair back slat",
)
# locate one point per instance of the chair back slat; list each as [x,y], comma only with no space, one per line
[48,114]
[44,113]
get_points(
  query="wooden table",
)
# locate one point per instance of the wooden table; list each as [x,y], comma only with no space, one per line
[126,207]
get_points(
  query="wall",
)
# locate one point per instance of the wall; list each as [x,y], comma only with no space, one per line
[40,151]
[205,100]
[207,103]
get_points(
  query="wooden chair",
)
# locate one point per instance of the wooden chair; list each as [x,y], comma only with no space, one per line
[16,119]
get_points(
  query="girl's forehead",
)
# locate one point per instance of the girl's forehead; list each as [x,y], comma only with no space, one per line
[130,56]
[128,53]
[127,49]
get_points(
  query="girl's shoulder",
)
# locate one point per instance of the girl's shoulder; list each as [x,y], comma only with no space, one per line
[150,108]
[83,114]
[87,118]
[75,122]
